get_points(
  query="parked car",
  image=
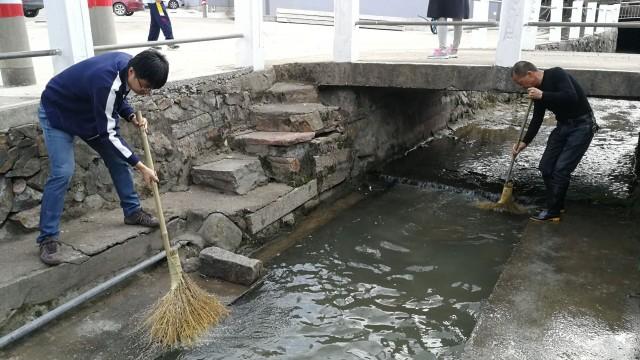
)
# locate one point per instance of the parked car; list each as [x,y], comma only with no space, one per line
[174,4]
[126,7]
[32,7]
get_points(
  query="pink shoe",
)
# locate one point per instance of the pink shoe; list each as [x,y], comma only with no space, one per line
[453,53]
[439,54]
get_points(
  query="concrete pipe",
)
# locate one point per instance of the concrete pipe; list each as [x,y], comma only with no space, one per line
[103,30]
[13,37]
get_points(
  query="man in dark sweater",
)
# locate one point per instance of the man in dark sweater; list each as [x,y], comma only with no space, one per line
[558,91]
[87,100]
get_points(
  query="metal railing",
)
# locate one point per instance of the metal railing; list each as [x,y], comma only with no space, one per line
[165,42]
[56,52]
[630,11]
[29,54]
[632,25]
[429,23]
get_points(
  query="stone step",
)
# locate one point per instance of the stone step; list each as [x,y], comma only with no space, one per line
[290,92]
[271,138]
[97,245]
[234,175]
[300,117]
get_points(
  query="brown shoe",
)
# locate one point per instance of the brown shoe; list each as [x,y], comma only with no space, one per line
[49,252]
[143,218]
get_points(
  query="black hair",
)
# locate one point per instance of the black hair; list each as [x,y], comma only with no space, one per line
[152,67]
[521,68]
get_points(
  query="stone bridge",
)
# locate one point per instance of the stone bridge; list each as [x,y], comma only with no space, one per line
[608,82]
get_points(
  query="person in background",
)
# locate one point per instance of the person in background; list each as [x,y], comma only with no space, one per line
[159,21]
[441,10]
[556,90]
[87,100]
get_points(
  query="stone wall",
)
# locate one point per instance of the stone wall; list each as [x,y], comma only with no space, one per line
[187,119]
[196,119]
[604,42]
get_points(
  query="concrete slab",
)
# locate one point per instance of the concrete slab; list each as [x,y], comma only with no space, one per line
[236,176]
[99,244]
[201,199]
[108,327]
[223,264]
[566,293]
[284,205]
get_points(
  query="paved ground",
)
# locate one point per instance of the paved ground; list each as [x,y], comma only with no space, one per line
[569,291]
[295,43]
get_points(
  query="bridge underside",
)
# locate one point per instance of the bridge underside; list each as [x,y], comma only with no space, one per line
[607,82]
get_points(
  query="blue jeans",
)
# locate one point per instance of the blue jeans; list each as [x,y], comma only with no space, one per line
[566,145]
[61,167]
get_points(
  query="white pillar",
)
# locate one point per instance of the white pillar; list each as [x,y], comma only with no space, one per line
[70,31]
[480,13]
[603,10]
[248,22]
[512,16]
[576,17]
[345,40]
[555,33]
[591,17]
[615,13]
[531,32]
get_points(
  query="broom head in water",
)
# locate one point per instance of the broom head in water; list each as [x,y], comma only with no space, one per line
[506,202]
[184,313]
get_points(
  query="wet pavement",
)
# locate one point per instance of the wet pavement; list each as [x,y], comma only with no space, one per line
[570,291]
[477,155]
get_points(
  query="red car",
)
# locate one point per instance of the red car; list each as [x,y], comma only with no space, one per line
[126,7]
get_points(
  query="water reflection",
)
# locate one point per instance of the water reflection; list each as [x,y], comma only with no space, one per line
[400,276]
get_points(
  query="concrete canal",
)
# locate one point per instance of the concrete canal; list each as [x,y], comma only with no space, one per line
[406,272]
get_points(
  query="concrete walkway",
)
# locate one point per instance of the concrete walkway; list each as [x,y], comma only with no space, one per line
[569,291]
[97,245]
[286,43]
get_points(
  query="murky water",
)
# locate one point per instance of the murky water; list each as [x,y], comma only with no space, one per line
[399,276]
[403,273]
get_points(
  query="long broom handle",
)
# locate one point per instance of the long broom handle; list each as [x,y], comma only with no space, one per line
[154,186]
[513,158]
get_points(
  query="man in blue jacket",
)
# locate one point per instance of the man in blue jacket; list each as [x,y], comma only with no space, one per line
[86,100]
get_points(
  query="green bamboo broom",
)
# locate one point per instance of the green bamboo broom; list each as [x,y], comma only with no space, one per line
[186,311]
[506,202]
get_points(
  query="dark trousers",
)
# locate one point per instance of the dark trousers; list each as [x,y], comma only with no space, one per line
[566,145]
[159,22]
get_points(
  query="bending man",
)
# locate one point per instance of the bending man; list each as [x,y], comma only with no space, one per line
[556,90]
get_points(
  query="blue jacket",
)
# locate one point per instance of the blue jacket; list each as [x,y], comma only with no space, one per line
[88,98]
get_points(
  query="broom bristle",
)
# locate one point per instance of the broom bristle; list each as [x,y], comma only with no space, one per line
[505,204]
[183,314]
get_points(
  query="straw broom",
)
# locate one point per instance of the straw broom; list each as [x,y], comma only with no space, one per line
[506,202]
[186,311]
